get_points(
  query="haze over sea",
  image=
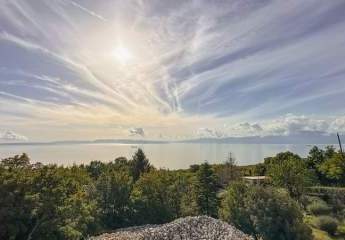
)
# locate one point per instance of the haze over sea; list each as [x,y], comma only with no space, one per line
[169,155]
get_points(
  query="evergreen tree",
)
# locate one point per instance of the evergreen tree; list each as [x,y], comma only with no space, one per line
[153,197]
[206,190]
[139,164]
[113,196]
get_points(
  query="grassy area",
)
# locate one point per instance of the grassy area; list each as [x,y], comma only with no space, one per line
[319,234]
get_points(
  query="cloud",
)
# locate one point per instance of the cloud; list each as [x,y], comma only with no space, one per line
[137,132]
[291,124]
[91,13]
[286,125]
[196,65]
[244,129]
[12,136]
[250,127]
[209,133]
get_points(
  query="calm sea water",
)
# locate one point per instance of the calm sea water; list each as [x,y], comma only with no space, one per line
[172,156]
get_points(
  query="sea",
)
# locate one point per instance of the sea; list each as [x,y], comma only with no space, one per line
[167,155]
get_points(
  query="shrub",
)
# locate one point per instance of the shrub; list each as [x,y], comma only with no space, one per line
[319,208]
[328,224]
[265,213]
[341,229]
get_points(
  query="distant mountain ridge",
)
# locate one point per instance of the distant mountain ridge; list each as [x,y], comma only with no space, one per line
[305,137]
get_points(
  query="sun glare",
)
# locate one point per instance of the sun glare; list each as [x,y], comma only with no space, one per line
[122,55]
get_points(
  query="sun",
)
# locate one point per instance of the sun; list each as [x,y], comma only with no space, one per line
[122,54]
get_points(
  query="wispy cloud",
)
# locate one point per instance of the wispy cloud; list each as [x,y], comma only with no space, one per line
[197,68]
[88,11]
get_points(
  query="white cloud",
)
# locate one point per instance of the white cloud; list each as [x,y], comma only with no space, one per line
[197,65]
[209,133]
[289,124]
[12,136]
[137,132]
[244,129]
[293,124]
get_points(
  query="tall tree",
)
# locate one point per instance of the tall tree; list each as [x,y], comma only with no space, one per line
[139,164]
[229,172]
[113,196]
[289,171]
[206,190]
[153,198]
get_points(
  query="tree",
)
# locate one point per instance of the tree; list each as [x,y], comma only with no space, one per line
[139,164]
[44,202]
[281,157]
[334,168]
[16,162]
[315,157]
[289,171]
[95,168]
[153,198]
[264,213]
[63,206]
[206,190]
[229,172]
[113,196]
[260,169]
[16,198]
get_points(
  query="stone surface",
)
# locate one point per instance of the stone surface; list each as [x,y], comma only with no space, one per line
[198,228]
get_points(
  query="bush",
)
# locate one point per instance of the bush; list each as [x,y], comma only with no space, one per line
[319,208]
[265,213]
[327,224]
[341,229]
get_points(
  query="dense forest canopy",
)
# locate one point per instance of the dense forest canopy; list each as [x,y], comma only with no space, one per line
[57,202]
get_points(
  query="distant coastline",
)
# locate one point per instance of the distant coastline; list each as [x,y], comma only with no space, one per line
[302,138]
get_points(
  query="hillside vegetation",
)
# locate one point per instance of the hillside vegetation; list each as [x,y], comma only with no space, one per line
[303,199]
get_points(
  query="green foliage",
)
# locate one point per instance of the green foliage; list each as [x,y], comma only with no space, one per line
[206,190]
[260,169]
[341,229]
[154,198]
[50,202]
[139,164]
[334,168]
[16,162]
[328,224]
[264,213]
[189,205]
[316,157]
[280,158]
[113,194]
[319,208]
[95,169]
[289,171]
[328,164]
[228,171]
[44,202]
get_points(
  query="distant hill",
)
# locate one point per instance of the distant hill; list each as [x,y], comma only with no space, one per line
[303,137]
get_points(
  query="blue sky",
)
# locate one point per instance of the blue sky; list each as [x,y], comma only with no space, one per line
[170,69]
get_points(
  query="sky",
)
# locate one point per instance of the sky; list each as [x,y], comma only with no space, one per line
[72,70]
